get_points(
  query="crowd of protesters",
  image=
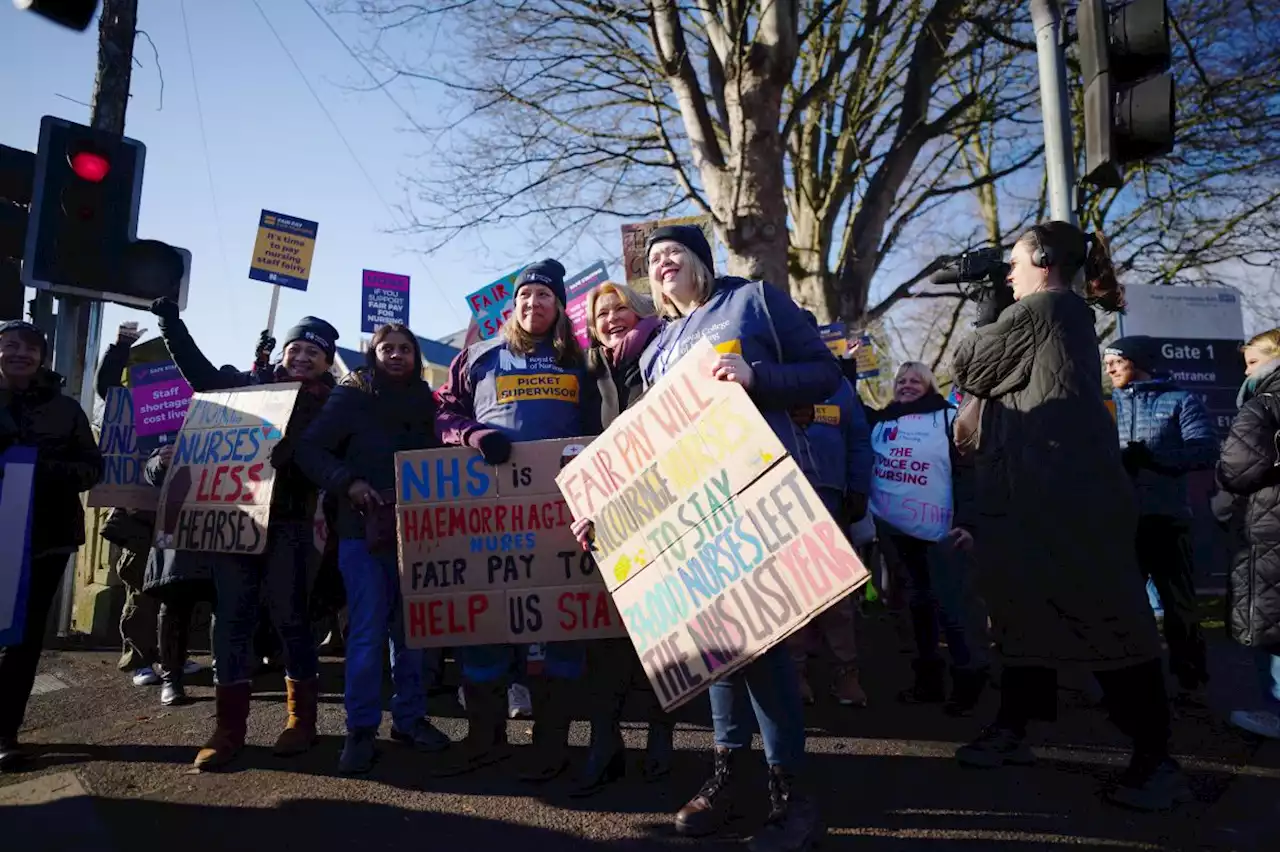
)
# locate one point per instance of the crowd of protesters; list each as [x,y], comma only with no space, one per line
[1007,550]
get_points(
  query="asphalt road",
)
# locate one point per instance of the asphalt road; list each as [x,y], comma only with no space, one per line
[111,773]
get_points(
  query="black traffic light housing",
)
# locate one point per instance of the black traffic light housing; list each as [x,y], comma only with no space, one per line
[74,14]
[84,215]
[17,173]
[1129,95]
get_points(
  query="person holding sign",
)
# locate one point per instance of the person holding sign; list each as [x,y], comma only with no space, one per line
[380,409]
[768,347]
[1057,516]
[528,384]
[282,570]
[35,413]
[620,323]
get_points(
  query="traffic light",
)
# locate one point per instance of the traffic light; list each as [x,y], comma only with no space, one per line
[17,173]
[74,14]
[1128,94]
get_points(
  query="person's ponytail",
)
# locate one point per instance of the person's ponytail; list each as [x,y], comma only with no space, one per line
[1102,287]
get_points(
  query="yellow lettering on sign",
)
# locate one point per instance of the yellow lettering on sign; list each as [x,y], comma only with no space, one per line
[729,347]
[827,414]
[561,387]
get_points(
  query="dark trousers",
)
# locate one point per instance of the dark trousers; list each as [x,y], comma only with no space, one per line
[18,663]
[1164,554]
[915,556]
[614,672]
[1135,698]
[177,606]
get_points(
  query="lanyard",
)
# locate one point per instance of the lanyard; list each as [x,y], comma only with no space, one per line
[664,360]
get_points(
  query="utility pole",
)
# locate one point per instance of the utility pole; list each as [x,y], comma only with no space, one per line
[79,326]
[1055,109]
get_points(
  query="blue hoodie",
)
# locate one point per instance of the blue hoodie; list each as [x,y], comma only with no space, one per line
[1178,431]
[835,452]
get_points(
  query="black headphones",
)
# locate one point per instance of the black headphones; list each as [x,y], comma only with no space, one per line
[1041,255]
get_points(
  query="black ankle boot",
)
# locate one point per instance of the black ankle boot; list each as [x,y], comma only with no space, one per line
[714,804]
[793,824]
[930,686]
[659,749]
[606,760]
[549,755]
[966,688]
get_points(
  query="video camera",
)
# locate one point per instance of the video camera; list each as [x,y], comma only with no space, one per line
[985,268]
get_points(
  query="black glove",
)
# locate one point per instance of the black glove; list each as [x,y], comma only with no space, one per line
[165,308]
[992,302]
[281,453]
[855,507]
[495,447]
[266,345]
[1137,456]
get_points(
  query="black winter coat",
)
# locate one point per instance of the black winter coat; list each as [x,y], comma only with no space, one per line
[362,426]
[1250,466]
[68,461]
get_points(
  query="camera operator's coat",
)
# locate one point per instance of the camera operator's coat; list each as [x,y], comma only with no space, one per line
[1056,515]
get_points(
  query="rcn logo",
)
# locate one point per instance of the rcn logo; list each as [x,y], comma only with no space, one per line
[1228,298]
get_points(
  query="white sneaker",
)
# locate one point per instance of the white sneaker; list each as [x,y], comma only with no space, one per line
[190,667]
[145,676]
[1260,722]
[519,702]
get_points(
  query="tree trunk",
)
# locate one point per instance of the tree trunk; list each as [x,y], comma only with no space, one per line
[810,247]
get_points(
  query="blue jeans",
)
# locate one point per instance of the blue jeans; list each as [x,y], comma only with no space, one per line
[1268,679]
[961,612]
[491,663]
[764,696]
[282,570]
[376,620]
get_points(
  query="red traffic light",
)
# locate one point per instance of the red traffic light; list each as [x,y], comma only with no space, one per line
[90,166]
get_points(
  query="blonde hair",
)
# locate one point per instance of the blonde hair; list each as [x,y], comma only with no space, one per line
[1266,344]
[642,305]
[921,370]
[703,283]
[521,342]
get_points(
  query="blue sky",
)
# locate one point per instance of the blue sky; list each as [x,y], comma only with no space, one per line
[269,146]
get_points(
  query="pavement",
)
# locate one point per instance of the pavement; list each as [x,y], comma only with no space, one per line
[111,774]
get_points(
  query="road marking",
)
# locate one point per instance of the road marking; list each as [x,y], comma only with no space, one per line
[47,683]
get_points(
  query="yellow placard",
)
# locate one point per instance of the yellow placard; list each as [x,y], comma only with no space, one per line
[562,387]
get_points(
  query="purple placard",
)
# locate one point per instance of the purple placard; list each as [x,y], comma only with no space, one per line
[160,398]
[385,299]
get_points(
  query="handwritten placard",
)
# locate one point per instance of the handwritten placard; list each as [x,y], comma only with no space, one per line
[708,536]
[217,494]
[486,553]
[122,484]
[160,398]
[636,234]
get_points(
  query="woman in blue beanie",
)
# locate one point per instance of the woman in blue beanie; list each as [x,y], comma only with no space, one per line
[767,346]
[282,568]
[478,410]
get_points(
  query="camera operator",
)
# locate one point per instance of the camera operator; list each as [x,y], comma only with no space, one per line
[1165,433]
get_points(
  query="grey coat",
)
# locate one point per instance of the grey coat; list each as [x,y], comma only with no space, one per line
[1056,515]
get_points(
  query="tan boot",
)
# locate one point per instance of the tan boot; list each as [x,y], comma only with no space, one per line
[847,690]
[299,732]
[232,714]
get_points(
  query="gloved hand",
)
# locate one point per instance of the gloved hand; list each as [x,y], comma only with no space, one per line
[992,302]
[165,308]
[495,447]
[266,345]
[281,453]
[855,507]
[1137,456]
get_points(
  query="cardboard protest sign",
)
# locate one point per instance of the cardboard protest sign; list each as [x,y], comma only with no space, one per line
[486,553]
[491,304]
[635,262]
[122,484]
[16,488]
[217,494]
[160,398]
[576,290]
[708,535]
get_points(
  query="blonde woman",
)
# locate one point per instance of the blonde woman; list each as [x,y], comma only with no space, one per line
[621,323]
[913,498]
[1250,468]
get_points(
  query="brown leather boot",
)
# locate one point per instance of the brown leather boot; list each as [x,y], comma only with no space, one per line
[708,811]
[232,715]
[299,732]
